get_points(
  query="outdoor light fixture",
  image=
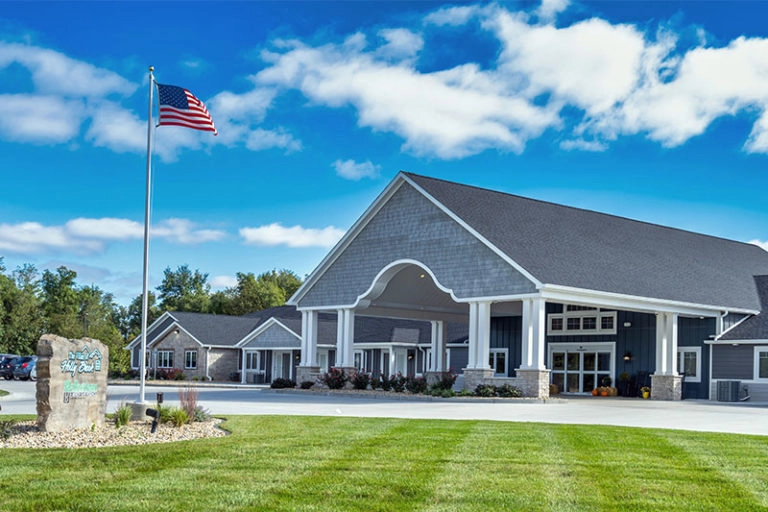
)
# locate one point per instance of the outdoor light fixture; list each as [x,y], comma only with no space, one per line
[177,330]
[627,356]
[627,324]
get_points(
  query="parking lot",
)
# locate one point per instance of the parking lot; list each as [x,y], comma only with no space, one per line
[744,418]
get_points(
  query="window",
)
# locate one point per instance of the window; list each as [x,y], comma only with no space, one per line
[359,360]
[761,363]
[165,358]
[252,360]
[498,361]
[689,363]
[190,360]
[581,320]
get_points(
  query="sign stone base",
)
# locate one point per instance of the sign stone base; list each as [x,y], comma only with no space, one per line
[71,383]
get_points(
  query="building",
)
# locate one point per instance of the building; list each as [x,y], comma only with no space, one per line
[550,294]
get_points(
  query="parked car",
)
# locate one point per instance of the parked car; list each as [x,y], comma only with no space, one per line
[6,365]
[23,367]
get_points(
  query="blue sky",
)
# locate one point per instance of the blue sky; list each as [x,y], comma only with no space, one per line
[656,111]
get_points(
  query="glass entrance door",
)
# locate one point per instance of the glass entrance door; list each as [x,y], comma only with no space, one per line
[580,368]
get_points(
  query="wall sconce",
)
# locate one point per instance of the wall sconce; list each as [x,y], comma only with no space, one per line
[410,357]
[627,324]
[627,357]
[177,330]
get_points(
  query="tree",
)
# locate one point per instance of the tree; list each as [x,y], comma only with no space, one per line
[60,303]
[24,322]
[253,293]
[130,321]
[184,290]
[97,312]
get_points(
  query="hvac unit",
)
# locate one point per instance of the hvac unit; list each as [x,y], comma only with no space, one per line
[728,390]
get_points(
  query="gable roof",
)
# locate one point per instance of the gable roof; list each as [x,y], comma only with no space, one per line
[754,327]
[572,247]
[213,330]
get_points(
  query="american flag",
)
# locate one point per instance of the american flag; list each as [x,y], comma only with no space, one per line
[179,107]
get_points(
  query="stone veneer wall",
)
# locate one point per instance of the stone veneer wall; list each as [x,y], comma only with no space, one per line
[180,343]
[222,362]
[666,387]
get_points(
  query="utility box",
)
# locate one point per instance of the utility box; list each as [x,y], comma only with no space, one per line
[728,390]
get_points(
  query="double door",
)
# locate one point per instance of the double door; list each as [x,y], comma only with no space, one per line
[580,368]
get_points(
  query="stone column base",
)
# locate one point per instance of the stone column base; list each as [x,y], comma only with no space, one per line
[139,410]
[433,377]
[307,373]
[666,387]
[473,377]
[533,383]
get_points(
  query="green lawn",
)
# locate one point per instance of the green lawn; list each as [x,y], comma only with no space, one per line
[331,463]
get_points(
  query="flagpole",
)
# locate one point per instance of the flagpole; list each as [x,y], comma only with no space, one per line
[145,290]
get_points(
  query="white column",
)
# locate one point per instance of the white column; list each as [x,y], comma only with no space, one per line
[345,335]
[309,338]
[534,334]
[666,343]
[479,334]
[438,346]
[242,368]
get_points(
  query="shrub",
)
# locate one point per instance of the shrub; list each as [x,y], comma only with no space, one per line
[508,391]
[446,381]
[360,380]
[170,374]
[385,383]
[7,429]
[123,415]
[307,384]
[442,393]
[416,385]
[485,390]
[335,378]
[178,417]
[188,399]
[282,383]
[200,414]
[375,382]
[398,382]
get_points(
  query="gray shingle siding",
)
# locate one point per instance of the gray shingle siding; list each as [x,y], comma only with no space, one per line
[409,226]
[275,336]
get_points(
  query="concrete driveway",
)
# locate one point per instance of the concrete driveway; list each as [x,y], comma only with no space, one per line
[741,418]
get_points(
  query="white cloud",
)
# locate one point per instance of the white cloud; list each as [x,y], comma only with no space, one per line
[294,236]
[259,139]
[759,243]
[39,119]
[55,73]
[219,282]
[583,145]
[451,16]
[351,170]
[549,9]
[86,235]
[400,44]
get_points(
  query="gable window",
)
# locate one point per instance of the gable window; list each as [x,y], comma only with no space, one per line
[689,363]
[165,358]
[581,320]
[190,360]
[761,363]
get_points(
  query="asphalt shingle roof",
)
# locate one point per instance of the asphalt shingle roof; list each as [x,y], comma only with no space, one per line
[566,246]
[754,327]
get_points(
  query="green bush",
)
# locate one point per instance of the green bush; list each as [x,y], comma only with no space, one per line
[416,385]
[508,391]
[7,429]
[307,384]
[123,415]
[442,393]
[485,390]
[335,378]
[360,380]
[179,417]
[398,382]
[282,383]
[201,414]
[446,381]
[385,383]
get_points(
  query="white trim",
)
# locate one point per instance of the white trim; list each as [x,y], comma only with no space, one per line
[756,362]
[695,350]
[272,321]
[571,347]
[186,352]
[732,327]
[736,342]
[571,295]
[598,314]
[492,353]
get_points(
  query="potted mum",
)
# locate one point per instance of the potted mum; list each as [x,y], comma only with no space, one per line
[645,392]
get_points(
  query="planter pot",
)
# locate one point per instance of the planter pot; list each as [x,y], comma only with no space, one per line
[594,392]
[604,393]
[646,394]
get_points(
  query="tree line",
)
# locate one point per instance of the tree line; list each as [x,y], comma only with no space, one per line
[34,303]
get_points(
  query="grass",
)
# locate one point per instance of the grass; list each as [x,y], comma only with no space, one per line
[330,463]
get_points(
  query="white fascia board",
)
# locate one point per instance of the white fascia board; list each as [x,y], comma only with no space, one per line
[370,345]
[736,342]
[150,328]
[347,239]
[566,294]
[272,321]
[501,254]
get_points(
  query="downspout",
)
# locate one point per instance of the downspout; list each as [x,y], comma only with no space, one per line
[208,364]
